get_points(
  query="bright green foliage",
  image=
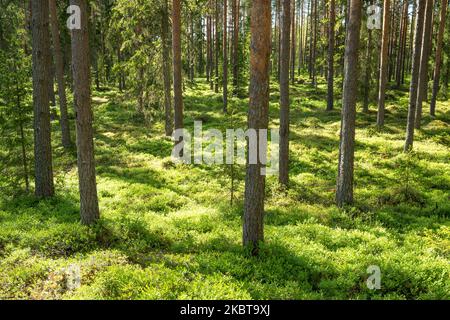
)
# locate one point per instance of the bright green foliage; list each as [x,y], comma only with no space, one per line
[15,100]
[168,232]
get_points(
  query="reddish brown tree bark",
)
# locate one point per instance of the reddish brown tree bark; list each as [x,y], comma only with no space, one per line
[85,134]
[260,25]
[344,188]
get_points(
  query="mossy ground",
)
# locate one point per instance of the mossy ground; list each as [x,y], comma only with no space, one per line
[168,231]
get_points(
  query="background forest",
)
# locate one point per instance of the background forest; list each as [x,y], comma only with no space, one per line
[92,206]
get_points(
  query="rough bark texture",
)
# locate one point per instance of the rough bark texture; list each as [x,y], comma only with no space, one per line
[438,58]
[384,62]
[425,54]
[284,93]
[176,54]
[225,55]
[331,38]
[165,36]
[85,136]
[415,74]
[41,77]
[344,189]
[253,229]
[59,70]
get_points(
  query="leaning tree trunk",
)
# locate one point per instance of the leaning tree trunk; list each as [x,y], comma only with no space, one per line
[425,54]
[384,62]
[253,229]
[284,93]
[344,189]
[420,13]
[42,129]
[85,134]
[176,55]
[59,64]
[332,17]
[166,69]
[438,58]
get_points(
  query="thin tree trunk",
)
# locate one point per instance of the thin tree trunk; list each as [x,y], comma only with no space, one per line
[293,44]
[217,48]
[59,65]
[22,142]
[413,88]
[236,7]
[314,48]
[384,62]
[253,229]
[44,186]
[438,58]
[344,189]
[208,43]
[401,53]
[425,54]
[176,56]
[368,71]
[225,55]
[165,35]
[24,158]
[300,42]
[332,18]
[284,93]
[85,134]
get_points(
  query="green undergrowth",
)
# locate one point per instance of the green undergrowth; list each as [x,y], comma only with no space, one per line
[168,231]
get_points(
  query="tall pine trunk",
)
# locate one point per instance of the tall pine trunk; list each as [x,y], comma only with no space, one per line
[236,8]
[85,134]
[415,65]
[260,25]
[425,54]
[208,44]
[165,35]
[41,77]
[314,44]
[332,18]
[176,56]
[217,48]
[293,45]
[438,58]
[344,188]
[284,93]
[384,62]
[59,70]
[367,70]
[225,56]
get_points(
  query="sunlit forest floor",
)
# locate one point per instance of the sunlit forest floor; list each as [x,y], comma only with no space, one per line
[169,232]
